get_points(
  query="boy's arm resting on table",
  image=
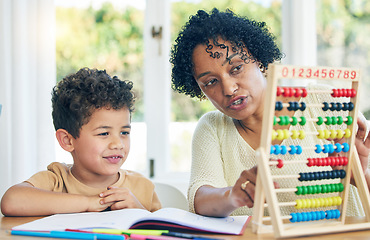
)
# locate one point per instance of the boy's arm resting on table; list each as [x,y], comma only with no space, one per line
[26,200]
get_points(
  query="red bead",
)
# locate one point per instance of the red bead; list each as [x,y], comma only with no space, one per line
[309,162]
[298,92]
[353,93]
[319,162]
[345,93]
[340,92]
[345,161]
[329,161]
[287,92]
[280,163]
[334,93]
[278,91]
[304,92]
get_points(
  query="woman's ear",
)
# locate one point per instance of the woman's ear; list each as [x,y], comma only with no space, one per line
[64,139]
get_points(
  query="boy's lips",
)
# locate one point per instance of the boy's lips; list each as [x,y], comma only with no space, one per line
[114,158]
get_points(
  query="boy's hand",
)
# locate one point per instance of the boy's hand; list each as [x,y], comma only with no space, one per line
[119,198]
[94,204]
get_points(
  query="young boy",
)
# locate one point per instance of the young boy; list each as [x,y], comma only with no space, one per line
[92,119]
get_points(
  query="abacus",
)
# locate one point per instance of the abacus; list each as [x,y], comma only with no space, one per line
[268,212]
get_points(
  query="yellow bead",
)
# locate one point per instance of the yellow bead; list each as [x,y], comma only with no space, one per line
[280,134]
[347,133]
[333,134]
[327,134]
[286,133]
[321,134]
[340,134]
[302,134]
[295,134]
[298,204]
[330,202]
[273,135]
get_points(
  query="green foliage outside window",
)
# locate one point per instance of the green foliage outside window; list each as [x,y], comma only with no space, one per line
[112,39]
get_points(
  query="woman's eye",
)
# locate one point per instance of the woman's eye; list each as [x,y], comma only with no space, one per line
[236,69]
[213,81]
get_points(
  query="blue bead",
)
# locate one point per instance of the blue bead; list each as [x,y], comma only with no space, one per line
[272,149]
[337,213]
[328,214]
[299,149]
[326,148]
[294,217]
[304,217]
[350,106]
[303,106]
[322,215]
[345,147]
[331,148]
[339,148]
[299,217]
[277,149]
[326,106]
[345,106]
[292,149]
[342,173]
[318,148]
[284,149]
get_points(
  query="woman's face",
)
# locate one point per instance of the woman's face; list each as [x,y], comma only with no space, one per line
[233,85]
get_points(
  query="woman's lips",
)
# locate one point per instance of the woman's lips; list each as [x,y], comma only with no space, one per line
[238,103]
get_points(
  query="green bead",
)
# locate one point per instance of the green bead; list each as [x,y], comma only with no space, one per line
[320,120]
[294,121]
[299,191]
[286,120]
[324,188]
[341,187]
[303,121]
[328,120]
[282,121]
[333,120]
[310,190]
[330,188]
[304,190]
[349,120]
[314,189]
[318,189]
[340,120]
[274,120]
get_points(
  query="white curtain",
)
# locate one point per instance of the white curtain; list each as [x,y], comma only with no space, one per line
[27,75]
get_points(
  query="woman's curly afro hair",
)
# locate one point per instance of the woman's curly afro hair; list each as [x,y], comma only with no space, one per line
[77,96]
[241,32]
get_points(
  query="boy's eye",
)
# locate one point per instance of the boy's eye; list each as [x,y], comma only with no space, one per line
[125,133]
[103,134]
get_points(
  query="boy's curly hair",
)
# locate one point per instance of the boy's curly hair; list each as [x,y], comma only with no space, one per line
[249,38]
[77,96]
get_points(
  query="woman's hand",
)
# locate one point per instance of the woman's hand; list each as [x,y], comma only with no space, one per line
[242,193]
[362,143]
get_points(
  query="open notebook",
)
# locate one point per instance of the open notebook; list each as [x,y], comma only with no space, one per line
[172,219]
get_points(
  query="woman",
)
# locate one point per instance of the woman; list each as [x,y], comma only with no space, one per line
[224,57]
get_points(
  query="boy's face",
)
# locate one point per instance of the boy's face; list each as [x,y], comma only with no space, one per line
[103,144]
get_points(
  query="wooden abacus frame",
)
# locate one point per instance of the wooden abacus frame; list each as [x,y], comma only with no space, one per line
[265,191]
